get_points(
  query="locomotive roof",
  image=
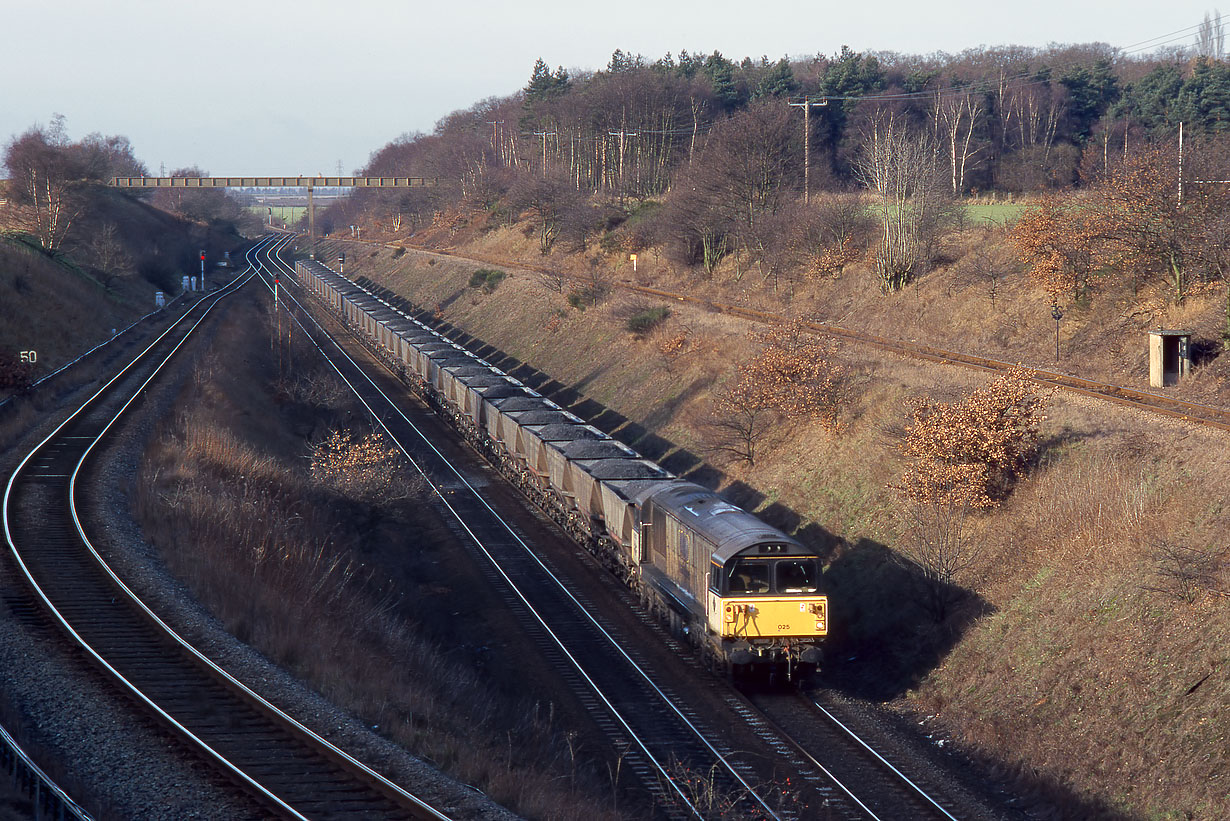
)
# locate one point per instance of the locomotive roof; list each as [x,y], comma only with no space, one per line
[729,528]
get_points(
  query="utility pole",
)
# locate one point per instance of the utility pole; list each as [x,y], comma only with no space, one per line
[544,135]
[806,105]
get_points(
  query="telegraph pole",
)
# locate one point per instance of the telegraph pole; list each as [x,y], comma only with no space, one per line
[806,105]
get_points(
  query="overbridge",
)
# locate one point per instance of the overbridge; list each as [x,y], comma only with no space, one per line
[309,183]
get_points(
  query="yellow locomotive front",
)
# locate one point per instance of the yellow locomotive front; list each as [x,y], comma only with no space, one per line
[765,605]
[755,589]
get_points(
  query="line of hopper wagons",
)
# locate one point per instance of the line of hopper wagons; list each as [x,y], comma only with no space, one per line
[744,594]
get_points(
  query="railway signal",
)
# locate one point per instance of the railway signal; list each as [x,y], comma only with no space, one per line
[1057,315]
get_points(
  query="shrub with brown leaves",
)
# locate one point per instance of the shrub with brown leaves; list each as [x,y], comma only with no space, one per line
[792,378]
[795,374]
[970,451]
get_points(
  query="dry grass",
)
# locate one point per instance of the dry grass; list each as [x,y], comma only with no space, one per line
[291,568]
[1086,659]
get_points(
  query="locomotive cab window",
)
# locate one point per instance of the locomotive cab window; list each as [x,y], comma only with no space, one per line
[797,576]
[748,576]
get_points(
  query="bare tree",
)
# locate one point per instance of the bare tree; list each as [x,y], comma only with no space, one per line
[742,416]
[834,231]
[935,541]
[902,168]
[1211,37]
[549,199]
[1189,573]
[988,265]
[45,179]
[957,116]
[107,255]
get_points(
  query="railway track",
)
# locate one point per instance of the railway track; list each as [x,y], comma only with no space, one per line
[627,702]
[289,771]
[880,789]
[1206,415]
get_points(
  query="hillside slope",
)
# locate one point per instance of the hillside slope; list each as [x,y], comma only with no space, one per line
[59,306]
[1088,654]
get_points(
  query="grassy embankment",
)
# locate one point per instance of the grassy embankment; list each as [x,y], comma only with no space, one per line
[357,596]
[1090,655]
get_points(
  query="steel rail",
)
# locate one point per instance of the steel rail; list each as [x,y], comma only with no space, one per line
[718,756]
[330,750]
[63,621]
[904,778]
[19,759]
[802,751]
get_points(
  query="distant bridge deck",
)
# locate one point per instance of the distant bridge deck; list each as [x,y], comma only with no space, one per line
[273,182]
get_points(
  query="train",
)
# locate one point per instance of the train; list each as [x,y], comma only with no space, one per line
[745,595]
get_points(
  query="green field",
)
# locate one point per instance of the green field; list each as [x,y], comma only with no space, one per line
[979,214]
[998,212]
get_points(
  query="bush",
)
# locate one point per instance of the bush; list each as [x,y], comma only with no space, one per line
[363,468]
[645,321]
[486,279]
[583,298]
[970,451]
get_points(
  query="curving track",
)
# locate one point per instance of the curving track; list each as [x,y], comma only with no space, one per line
[285,766]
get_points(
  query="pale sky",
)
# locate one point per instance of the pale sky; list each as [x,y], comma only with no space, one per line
[294,86]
